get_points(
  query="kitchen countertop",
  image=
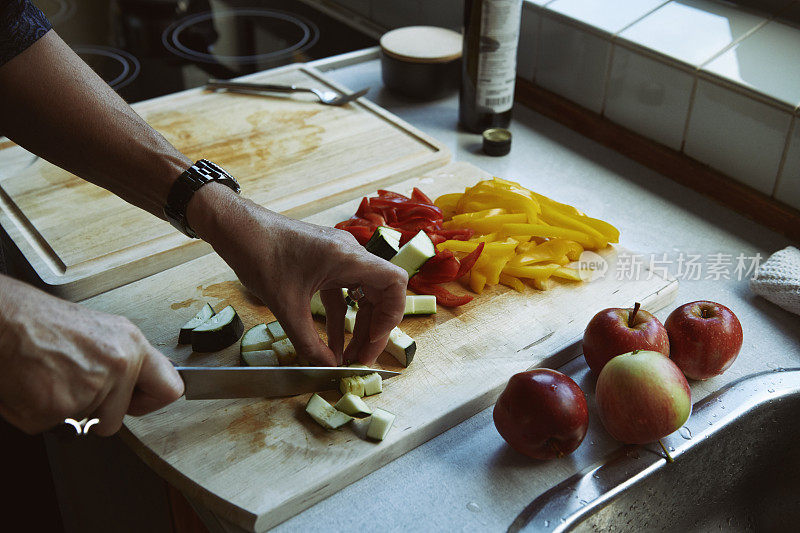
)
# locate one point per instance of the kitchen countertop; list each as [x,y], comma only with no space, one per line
[468,478]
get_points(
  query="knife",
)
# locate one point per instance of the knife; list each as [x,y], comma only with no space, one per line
[224,382]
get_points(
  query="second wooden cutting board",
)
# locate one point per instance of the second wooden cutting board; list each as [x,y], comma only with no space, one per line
[290,154]
[256,463]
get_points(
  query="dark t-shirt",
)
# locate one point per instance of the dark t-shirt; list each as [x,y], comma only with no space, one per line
[21,25]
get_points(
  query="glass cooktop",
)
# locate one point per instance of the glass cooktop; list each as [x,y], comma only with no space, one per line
[147,48]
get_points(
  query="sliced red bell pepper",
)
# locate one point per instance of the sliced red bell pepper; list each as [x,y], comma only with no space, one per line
[420,196]
[440,268]
[361,233]
[352,221]
[363,208]
[469,261]
[406,234]
[464,234]
[443,296]
[436,239]
[383,193]
[375,219]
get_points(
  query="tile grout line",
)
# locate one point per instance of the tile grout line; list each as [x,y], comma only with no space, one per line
[692,97]
[784,156]
[607,78]
[642,17]
[735,43]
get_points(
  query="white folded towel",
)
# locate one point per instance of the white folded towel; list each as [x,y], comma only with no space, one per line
[778,279]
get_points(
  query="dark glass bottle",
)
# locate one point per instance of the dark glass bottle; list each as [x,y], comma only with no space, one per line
[489,63]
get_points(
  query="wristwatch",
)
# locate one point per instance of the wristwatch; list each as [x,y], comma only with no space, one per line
[186,185]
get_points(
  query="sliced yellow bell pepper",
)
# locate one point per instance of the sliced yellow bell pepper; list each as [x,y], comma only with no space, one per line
[556,218]
[488,248]
[554,250]
[610,233]
[542,284]
[511,281]
[477,281]
[486,224]
[567,273]
[544,230]
[447,203]
[479,214]
[491,237]
[498,193]
[528,237]
[531,271]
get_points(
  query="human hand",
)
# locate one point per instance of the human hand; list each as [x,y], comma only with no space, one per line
[59,359]
[284,262]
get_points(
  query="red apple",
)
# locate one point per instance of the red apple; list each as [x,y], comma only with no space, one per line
[705,338]
[616,331]
[642,396]
[542,414]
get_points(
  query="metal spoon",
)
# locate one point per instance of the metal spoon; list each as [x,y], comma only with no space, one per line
[325,97]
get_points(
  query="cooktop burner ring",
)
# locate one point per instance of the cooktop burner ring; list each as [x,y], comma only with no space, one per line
[171,36]
[128,62]
[65,10]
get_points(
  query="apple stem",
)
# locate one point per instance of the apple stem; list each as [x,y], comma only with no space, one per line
[632,317]
[669,456]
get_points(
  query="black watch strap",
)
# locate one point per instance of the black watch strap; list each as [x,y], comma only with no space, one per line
[187,184]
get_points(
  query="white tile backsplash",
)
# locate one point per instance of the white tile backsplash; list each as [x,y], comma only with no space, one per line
[528,43]
[768,61]
[572,62]
[648,96]
[607,15]
[788,190]
[740,136]
[692,31]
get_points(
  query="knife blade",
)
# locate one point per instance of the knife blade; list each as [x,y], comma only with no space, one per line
[225,382]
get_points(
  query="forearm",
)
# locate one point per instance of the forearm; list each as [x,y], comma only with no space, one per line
[55,106]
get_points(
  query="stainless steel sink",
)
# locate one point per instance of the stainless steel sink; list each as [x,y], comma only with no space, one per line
[736,468]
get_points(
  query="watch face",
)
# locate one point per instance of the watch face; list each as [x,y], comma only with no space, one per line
[187,184]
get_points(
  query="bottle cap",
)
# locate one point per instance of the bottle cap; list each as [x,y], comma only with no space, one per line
[496,141]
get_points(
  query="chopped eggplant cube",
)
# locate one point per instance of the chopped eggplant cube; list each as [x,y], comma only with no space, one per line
[185,336]
[373,384]
[256,338]
[379,424]
[420,304]
[218,332]
[324,413]
[385,242]
[414,253]
[285,351]
[350,320]
[276,330]
[353,385]
[353,405]
[401,346]
[317,308]
[260,358]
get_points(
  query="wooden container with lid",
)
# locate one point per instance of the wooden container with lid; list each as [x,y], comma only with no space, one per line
[422,62]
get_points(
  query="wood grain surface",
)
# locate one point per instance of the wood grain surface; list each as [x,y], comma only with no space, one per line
[290,154]
[256,463]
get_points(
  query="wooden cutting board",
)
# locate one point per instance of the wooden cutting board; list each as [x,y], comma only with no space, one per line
[258,462]
[290,154]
